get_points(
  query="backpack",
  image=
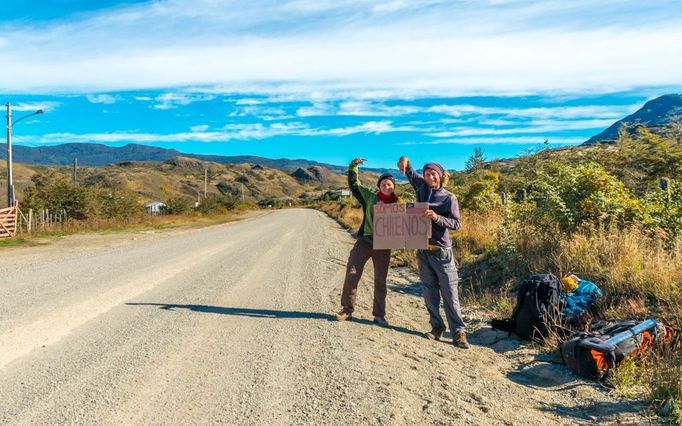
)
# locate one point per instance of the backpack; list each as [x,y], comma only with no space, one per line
[594,354]
[537,308]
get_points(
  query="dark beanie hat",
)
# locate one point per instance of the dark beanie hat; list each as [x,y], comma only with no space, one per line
[435,167]
[385,176]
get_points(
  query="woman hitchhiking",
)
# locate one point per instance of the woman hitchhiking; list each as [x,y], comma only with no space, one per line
[437,268]
[362,251]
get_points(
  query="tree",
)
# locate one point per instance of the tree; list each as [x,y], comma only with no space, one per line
[476,161]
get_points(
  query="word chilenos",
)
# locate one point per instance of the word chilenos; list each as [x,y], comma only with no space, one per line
[397,221]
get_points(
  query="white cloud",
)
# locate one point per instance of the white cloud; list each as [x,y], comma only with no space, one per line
[555,125]
[242,131]
[45,106]
[377,109]
[561,112]
[266,113]
[130,137]
[173,100]
[531,128]
[103,99]
[246,101]
[370,127]
[500,140]
[358,46]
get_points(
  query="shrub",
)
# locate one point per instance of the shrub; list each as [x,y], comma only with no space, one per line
[661,212]
[570,196]
[179,205]
[216,204]
[56,193]
[482,194]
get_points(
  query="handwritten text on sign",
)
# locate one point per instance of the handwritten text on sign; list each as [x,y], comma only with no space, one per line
[399,226]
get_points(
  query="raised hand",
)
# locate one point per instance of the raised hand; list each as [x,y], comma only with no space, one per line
[402,163]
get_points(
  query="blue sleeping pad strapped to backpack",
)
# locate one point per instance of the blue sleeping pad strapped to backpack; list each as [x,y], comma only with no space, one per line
[580,300]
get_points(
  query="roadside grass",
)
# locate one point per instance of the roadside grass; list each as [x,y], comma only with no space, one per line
[639,275]
[657,376]
[137,223]
[12,242]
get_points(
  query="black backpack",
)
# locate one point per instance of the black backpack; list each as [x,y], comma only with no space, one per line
[537,308]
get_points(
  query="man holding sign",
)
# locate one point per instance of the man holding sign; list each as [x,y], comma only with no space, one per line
[363,250]
[437,268]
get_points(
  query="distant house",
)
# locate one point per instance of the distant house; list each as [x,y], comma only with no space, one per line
[336,194]
[155,208]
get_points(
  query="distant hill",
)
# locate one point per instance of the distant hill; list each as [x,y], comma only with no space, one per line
[98,155]
[657,115]
[184,176]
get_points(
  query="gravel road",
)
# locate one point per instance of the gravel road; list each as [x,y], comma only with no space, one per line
[231,324]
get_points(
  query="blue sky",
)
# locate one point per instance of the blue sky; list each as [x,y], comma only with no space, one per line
[330,80]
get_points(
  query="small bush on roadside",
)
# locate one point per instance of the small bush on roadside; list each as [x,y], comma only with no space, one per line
[217,204]
[179,205]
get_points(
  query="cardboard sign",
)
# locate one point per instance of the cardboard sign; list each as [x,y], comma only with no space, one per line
[400,226]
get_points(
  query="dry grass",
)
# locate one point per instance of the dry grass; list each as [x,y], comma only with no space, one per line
[478,234]
[347,214]
[638,274]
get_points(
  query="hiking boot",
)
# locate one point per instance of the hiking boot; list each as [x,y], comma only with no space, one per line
[344,315]
[460,340]
[380,321]
[434,334]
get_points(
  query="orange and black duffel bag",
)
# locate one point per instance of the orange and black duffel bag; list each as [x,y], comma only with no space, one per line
[593,354]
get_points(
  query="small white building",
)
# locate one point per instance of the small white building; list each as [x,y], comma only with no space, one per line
[155,208]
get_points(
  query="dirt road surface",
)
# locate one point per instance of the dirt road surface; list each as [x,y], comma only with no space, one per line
[232,324]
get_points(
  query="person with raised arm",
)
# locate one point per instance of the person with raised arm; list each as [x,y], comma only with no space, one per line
[437,269]
[363,249]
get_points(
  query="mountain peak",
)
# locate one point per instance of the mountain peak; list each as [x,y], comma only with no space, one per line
[657,114]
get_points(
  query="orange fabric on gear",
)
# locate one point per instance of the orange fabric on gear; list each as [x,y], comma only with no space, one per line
[647,342]
[600,360]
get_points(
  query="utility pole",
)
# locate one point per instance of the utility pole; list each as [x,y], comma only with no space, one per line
[75,172]
[10,183]
[205,182]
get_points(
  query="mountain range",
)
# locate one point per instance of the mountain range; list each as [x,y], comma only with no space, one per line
[97,155]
